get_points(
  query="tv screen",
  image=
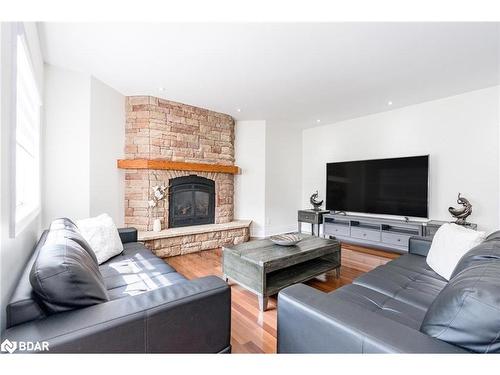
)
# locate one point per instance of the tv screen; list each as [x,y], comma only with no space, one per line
[396,186]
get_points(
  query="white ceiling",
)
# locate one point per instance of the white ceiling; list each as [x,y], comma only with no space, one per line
[288,72]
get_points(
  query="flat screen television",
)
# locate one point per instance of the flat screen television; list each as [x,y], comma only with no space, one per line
[397,186]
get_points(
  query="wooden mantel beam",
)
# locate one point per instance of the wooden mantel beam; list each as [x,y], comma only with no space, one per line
[176,165]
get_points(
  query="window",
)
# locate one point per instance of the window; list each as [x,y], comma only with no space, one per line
[27,130]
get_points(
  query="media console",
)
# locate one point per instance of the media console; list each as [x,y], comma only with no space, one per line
[386,234]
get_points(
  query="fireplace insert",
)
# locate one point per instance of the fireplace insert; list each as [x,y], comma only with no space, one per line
[191,201]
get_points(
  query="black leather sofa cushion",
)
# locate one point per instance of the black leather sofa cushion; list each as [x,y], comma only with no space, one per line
[467,311]
[417,264]
[406,280]
[136,270]
[65,274]
[380,304]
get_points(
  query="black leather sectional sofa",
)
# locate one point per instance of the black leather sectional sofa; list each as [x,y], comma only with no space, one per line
[133,303]
[400,307]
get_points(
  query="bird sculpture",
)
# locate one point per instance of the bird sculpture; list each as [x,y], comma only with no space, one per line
[315,202]
[461,213]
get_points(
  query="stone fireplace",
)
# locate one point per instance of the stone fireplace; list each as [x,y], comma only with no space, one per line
[191,150]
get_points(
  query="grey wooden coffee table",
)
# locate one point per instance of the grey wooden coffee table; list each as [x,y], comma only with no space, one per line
[265,268]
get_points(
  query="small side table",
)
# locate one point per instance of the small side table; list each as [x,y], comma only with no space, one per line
[313,217]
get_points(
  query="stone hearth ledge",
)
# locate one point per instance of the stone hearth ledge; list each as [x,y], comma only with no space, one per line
[193,229]
[185,240]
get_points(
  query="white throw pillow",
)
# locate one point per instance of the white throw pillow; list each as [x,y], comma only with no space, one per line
[449,244]
[102,235]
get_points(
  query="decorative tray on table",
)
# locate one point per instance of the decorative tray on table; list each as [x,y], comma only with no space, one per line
[288,239]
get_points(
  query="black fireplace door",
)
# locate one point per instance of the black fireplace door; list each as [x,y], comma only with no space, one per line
[191,201]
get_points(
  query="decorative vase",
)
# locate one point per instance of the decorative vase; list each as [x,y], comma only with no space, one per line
[157,225]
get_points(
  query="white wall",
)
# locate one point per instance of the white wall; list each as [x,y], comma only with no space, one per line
[460,133]
[84,136]
[107,144]
[250,185]
[268,191]
[283,177]
[14,252]
[66,142]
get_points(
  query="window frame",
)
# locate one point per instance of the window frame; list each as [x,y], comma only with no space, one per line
[18,224]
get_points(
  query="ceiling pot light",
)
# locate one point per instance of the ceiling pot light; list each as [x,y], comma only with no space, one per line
[238,109]
[389,103]
[318,121]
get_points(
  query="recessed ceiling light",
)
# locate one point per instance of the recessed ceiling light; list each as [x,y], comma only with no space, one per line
[161,89]
[238,110]
[389,103]
[318,120]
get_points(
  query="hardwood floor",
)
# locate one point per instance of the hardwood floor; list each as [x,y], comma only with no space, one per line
[252,331]
[363,258]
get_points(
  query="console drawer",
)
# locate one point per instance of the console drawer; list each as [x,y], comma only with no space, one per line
[336,230]
[396,239]
[365,234]
[308,217]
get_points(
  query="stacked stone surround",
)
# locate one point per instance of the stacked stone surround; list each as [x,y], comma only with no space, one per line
[185,244]
[160,129]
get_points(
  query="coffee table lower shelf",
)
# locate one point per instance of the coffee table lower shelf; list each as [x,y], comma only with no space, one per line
[268,284]
[299,273]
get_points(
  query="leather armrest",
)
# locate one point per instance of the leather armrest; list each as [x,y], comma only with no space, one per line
[188,317]
[419,245]
[310,322]
[128,234]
